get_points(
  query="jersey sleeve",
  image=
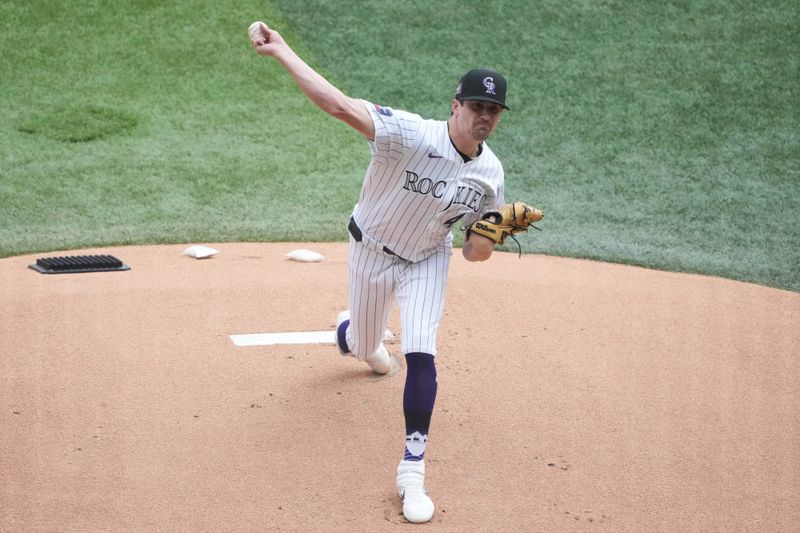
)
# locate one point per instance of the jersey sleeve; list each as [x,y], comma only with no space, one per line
[395,130]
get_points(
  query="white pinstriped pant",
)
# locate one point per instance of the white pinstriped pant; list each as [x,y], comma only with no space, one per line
[377,280]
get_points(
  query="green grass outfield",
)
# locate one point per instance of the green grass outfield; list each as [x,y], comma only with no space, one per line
[658,134]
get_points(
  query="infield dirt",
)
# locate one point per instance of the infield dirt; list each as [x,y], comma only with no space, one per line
[573,396]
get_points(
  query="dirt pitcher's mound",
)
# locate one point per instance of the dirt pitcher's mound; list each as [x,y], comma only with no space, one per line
[573,396]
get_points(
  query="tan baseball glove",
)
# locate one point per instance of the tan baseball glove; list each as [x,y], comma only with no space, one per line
[510,220]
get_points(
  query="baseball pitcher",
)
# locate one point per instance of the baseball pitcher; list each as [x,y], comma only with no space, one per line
[425,177]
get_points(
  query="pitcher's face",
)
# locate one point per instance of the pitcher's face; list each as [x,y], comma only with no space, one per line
[476,118]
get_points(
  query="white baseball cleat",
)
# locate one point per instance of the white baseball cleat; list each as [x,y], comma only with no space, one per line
[417,506]
[380,362]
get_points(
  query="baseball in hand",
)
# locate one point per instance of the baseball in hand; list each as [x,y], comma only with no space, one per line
[255,30]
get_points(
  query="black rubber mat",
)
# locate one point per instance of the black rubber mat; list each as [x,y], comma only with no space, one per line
[71,264]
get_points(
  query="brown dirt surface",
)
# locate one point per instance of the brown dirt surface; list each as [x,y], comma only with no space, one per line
[573,396]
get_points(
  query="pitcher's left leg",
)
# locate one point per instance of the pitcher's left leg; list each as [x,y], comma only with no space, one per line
[420,295]
[420,292]
[419,396]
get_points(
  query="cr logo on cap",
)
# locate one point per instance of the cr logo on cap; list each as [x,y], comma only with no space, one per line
[488,82]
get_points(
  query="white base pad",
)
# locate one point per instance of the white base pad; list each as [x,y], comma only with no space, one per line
[292,337]
[289,337]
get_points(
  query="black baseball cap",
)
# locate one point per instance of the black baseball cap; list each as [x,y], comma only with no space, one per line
[482,84]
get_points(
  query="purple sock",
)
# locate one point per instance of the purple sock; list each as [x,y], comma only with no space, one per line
[341,336]
[419,396]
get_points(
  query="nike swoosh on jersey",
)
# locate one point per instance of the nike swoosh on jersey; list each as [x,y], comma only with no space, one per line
[434,155]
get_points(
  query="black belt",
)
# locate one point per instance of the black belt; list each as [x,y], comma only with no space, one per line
[355,231]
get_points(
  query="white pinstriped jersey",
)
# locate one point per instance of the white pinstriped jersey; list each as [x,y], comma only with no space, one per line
[411,197]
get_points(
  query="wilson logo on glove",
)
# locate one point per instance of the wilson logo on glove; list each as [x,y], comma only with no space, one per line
[485,227]
[510,220]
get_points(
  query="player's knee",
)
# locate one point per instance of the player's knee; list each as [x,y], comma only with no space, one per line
[364,350]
